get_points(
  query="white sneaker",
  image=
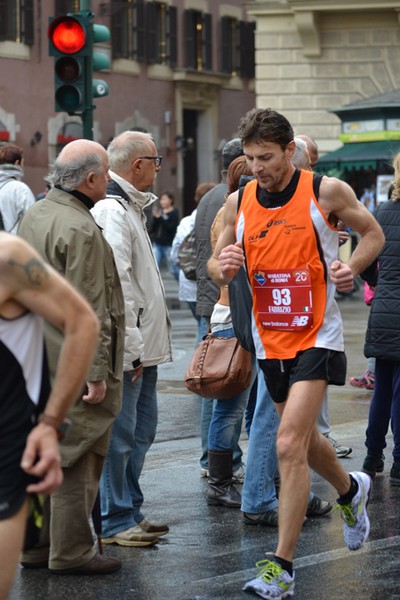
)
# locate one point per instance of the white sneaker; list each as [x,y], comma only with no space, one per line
[272,582]
[356,522]
[203,472]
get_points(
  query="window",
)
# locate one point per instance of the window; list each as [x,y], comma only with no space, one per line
[62,7]
[144,31]
[161,33]
[197,40]
[237,45]
[16,22]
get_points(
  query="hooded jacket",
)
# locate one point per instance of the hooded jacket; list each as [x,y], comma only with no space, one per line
[123,221]
[15,196]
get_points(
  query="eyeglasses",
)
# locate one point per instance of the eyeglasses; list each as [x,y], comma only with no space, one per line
[157,159]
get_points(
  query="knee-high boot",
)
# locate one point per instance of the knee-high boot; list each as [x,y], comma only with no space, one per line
[220,483]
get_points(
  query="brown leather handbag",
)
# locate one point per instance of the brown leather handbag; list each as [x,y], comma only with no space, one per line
[220,368]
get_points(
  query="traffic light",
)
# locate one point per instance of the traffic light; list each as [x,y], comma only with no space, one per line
[100,60]
[68,43]
[71,40]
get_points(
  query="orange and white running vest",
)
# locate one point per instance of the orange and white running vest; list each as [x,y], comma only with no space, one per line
[288,253]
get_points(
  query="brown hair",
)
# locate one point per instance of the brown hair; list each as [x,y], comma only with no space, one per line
[262,125]
[236,169]
[10,153]
[202,189]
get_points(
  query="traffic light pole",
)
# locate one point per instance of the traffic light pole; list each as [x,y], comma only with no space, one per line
[72,43]
[87,115]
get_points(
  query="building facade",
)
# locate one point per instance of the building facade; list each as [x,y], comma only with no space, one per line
[313,56]
[181,69]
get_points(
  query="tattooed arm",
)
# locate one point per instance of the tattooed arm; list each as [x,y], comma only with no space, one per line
[28,283]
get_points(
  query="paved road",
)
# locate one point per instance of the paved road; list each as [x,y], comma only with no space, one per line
[209,552]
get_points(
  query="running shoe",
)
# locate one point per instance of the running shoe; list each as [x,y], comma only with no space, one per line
[341,451]
[354,514]
[366,380]
[272,582]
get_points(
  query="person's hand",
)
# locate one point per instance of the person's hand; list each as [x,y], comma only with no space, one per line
[157,212]
[342,276]
[96,390]
[41,458]
[136,373]
[230,260]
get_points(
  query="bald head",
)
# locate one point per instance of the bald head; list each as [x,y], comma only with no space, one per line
[82,165]
[78,150]
[311,147]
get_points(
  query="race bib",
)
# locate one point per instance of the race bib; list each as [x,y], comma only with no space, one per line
[284,299]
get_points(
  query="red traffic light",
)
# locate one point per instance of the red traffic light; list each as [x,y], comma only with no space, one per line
[67,35]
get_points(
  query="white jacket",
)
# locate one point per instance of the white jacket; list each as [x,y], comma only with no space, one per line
[148,326]
[15,196]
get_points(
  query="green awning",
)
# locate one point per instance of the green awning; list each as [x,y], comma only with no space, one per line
[360,155]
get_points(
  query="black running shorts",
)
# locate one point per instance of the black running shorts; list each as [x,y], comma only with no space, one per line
[315,363]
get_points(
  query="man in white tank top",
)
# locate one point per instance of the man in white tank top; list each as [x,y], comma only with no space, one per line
[33,418]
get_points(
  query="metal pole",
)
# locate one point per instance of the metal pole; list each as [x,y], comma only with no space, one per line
[87,115]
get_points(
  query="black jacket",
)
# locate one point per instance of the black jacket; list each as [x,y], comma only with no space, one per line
[383,333]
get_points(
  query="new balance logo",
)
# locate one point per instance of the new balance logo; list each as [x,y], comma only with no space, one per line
[300,321]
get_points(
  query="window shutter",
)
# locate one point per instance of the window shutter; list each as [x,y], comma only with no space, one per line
[140,31]
[119,18]
[207,42]
[27,20]
[152,33]
[226,45]
[172,36]
[3,20]
[190,39]
[247,50]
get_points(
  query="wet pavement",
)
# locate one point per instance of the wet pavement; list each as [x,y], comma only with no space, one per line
[209,552]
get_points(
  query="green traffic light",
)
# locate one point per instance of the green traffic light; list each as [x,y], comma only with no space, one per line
[68,98]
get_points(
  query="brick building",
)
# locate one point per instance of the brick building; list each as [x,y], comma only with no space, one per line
[180,69]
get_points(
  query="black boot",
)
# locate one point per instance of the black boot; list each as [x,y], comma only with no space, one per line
[220,483]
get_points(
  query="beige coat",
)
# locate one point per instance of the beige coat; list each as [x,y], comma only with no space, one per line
[64,232]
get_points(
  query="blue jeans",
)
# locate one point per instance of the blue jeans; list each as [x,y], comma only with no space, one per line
[384,409]
[227,414]
[207,407]
[259,493]
[133,433]
[163,253]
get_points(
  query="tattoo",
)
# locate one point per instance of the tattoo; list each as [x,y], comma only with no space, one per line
[35,270]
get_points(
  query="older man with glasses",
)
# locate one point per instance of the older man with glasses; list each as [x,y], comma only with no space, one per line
[134,164]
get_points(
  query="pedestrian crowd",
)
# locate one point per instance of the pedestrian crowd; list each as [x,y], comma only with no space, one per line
[84,326]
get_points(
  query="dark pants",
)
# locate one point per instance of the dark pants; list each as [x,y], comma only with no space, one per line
[384,408]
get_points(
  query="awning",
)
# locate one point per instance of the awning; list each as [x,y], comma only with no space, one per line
[360,155]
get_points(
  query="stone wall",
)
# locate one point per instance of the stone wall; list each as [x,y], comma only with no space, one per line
[309,62]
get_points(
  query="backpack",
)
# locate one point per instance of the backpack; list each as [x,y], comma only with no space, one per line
[187,255]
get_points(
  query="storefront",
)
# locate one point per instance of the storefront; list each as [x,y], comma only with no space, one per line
[371,139]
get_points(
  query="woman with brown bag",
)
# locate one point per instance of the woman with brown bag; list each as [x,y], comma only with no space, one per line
[228,413]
